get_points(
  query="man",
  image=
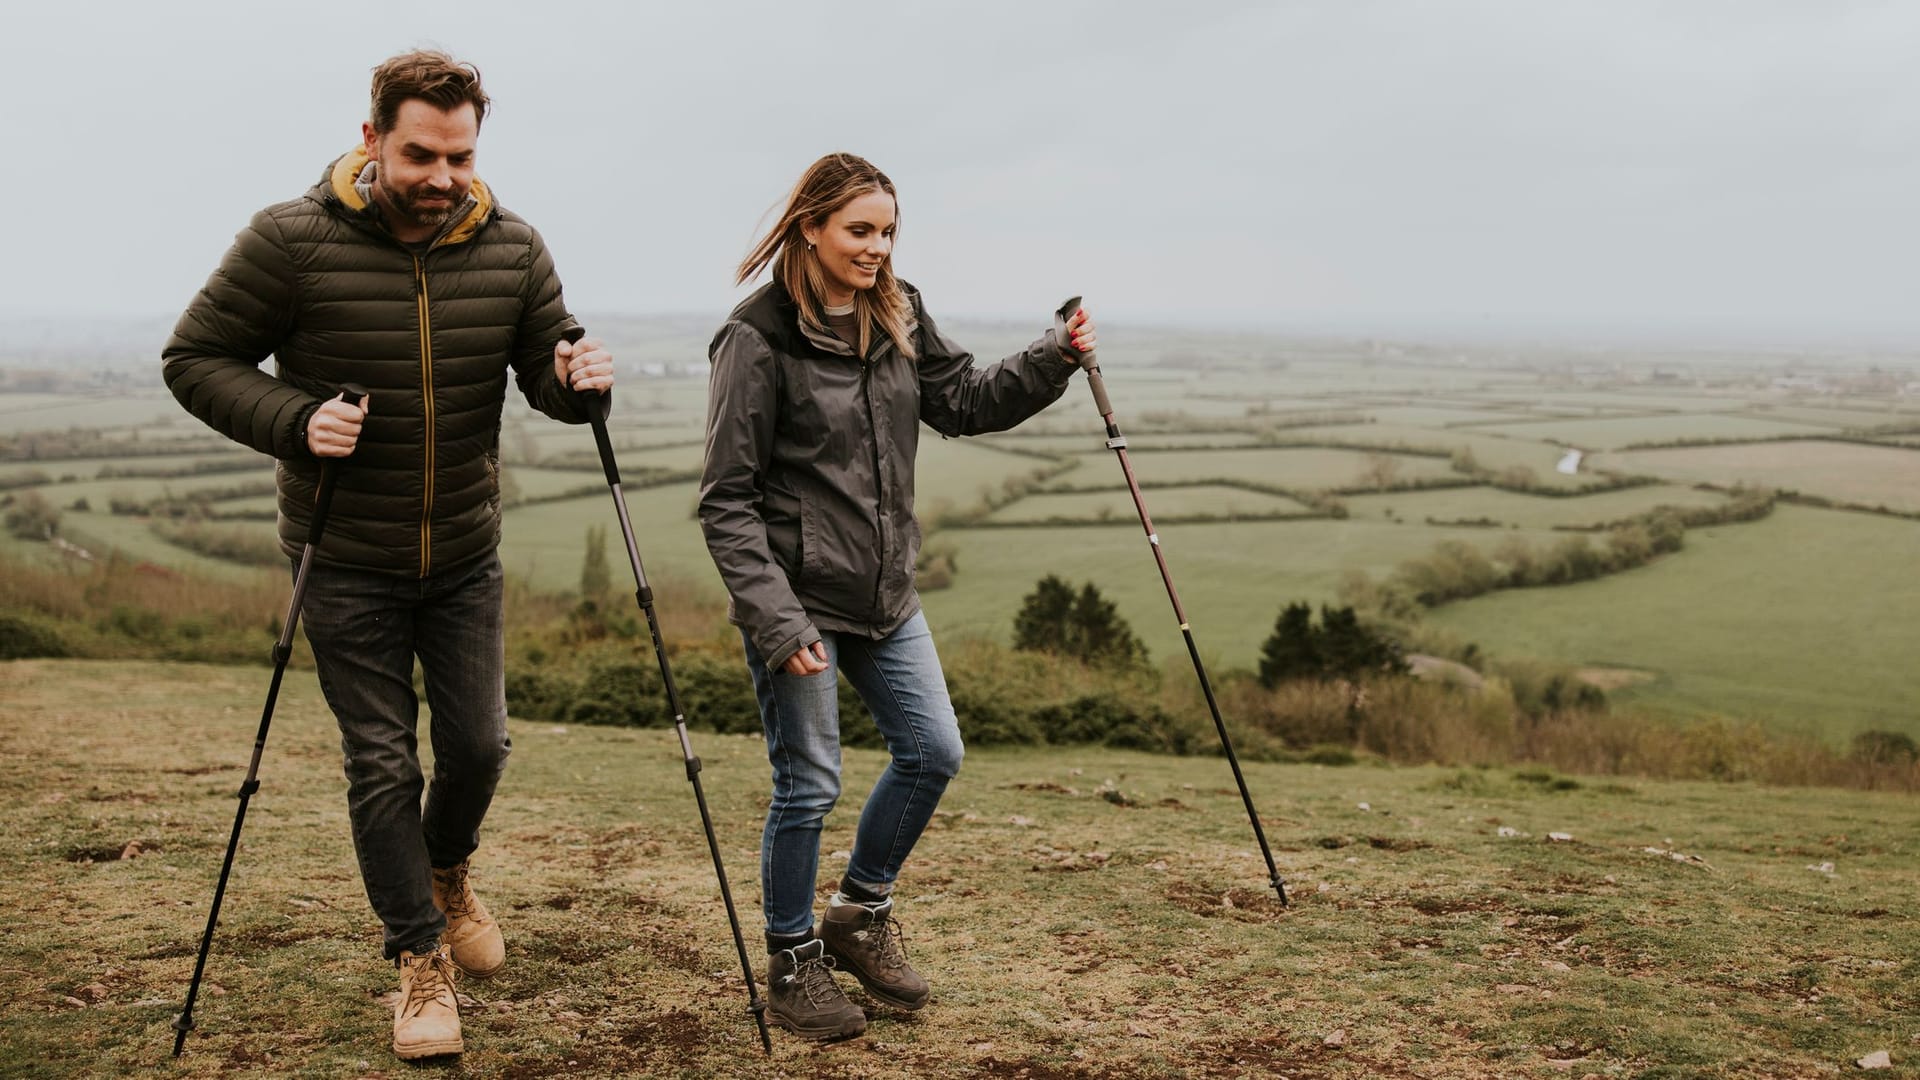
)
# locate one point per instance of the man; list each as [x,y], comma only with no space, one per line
[398,272]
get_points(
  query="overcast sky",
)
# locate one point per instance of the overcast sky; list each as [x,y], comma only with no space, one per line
[1745,169]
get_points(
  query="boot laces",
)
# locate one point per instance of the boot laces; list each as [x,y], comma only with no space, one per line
[815,977]
[429,978]
[888,941]
[459,895]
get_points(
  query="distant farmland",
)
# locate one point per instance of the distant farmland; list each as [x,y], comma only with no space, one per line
[1274,470]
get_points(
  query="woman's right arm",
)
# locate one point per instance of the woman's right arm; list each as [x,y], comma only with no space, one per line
[743,399]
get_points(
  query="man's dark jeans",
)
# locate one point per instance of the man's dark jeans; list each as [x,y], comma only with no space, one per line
[365,629]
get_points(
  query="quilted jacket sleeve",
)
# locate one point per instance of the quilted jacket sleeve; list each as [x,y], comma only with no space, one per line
[212,361]
[543,318]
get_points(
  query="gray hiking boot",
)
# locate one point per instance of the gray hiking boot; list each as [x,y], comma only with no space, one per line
[803,998]
[867,942]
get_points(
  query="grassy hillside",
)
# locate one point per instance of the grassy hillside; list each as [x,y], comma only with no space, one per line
[1080,912]
[1803,619]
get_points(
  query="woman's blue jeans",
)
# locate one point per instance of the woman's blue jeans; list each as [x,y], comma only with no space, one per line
[365,629]
[899,679]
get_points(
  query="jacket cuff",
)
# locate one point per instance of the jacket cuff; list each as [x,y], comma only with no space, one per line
[297,436]
[786,649]
[1060,371]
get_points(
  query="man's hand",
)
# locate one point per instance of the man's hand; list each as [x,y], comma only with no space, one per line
[334,428]
[583,365]
[810,660]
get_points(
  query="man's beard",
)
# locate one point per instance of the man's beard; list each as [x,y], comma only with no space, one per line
[407,205]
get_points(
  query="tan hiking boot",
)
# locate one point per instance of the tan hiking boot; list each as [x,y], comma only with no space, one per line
[426,1018]
[867,942]
[472,935]
[803,998]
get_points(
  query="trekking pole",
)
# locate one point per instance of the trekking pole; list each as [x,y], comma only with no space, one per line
[598,406]
[1118,444]
[282,650]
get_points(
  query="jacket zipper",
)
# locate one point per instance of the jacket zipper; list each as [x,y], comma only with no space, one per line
[879,492]
[426,396]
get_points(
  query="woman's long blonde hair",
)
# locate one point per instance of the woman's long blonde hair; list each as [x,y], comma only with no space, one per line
[826,186]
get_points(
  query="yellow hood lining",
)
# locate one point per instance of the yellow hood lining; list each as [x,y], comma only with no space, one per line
[346,173]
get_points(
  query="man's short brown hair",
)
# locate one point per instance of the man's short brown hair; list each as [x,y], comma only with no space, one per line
[432,77]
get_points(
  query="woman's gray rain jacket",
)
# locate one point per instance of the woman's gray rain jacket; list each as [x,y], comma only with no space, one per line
[807,496]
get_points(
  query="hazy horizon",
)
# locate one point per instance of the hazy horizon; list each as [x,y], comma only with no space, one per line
[1735,174]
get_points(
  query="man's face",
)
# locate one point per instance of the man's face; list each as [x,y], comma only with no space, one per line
[426,165]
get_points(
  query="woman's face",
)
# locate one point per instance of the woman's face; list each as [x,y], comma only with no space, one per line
[853,244]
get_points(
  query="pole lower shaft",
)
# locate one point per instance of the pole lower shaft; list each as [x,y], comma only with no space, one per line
[1117,442]
[643,595]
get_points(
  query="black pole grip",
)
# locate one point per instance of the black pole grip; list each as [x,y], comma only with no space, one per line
[352,394]
[598,406]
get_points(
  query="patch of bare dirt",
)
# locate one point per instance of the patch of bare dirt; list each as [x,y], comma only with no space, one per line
[1241,905]
[1613,678]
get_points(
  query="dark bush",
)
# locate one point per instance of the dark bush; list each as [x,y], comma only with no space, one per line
[987,720]
[1084,625]
[1885,748]
[1341,647]
[716,692]
[539,695]
[23,640]
[626,694]
[140,624]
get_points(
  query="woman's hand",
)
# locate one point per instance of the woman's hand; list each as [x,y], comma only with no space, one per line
[1080,332]
[810,660]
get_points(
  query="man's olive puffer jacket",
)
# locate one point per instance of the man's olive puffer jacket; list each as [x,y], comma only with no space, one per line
[430,331]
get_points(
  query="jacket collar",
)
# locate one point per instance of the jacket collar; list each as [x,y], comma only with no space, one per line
[344,183]
[826,340]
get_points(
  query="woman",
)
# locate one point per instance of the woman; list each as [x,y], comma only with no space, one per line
[820,382]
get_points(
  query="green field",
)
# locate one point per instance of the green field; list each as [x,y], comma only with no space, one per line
[1177,394]
[533,482]
[963,472]
[1490,451]
[69,471]
[54,412]
[1163,503]
[1433,416]
[1233,578]
[1610,433]
[1849,472]
[545,543]
[1805,619]
[1093,437]
[1838,418]
[1297,468]
[1527,511]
